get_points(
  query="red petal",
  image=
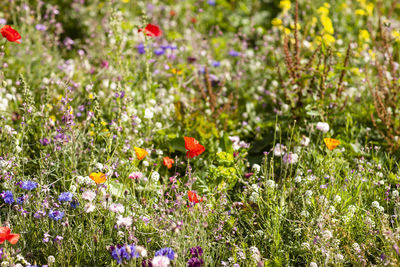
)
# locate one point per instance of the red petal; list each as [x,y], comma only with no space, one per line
[4,232]
[13,238]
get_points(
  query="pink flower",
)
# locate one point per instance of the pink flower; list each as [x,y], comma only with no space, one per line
[89,195]
[136,175]
[290,158]
[117,208]
[124,221]
[160,261]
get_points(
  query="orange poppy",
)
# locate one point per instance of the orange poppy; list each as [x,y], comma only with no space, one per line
[193,197]
[331,143]
[193,146]
[5,234]
[140,152]
[168,162]
[98,177]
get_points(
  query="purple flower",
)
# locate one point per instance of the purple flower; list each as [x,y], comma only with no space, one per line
[141,49]
[65,197]
[233,53]
[8,197]
[216,63]
[196,251]
[195,262]
[159,52]
[28,185]
[41,27]
[211,2]
[44,141]
[167,252]
[56,215]
[20,200]
[74,203]
[121,252]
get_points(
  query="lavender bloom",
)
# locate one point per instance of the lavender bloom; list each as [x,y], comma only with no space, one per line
[211,2]
[56,215]
[167,252]
[74,203]
[39,214]
[20,200]
[65,197]
[28,185]
[8,197]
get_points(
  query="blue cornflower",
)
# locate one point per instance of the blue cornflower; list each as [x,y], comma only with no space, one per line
[28,185]
[211,2]
[20,200]
[74,203]
[159,52]
[141,49]
[8,197]
[216,63]
[167,252]
[233,53]
[121,252]
[56,215]
[65,196]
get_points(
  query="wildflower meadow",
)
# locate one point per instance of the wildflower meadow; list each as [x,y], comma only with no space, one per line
[199,133]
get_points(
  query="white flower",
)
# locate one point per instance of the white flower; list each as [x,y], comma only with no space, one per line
[148,113]
[297,179]
[160,261]
[89,207]
[99,166]
[326,235]
[158,125]
[279,150]
[89,195]
[141,251]
[51,259]
[124,221]
[313,264]
[375,205]
[145,163]
[117,208]
[305,141]
[337,199]
[339,257]
[256,168]
[155,176]
[323,127]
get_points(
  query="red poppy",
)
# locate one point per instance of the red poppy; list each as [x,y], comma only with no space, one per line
[11,34]
[193,146]
[152,30]
[168,162]
[5,234]
[193,197]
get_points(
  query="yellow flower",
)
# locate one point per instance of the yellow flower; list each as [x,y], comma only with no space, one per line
[91,133]
[327,24]
[396,36]
[323,11]
[298,26]
[103,123]
[370,9]
[287,31]
[140,152]
[327,39]
[175,71]
[125,1]
[364,36]
[360,12]
[276,22]
[98,177]
[285,5]
[372,54]
[52,117]
[90,96]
